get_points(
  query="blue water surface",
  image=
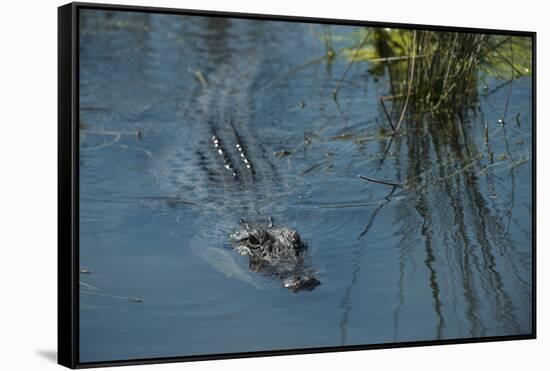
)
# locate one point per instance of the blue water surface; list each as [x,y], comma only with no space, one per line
[449,258]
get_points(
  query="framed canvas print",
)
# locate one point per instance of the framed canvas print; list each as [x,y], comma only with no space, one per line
[235,185]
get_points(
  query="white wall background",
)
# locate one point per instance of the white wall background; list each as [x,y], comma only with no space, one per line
[28,155]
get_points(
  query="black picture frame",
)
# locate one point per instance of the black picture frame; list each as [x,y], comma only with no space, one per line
[68,184]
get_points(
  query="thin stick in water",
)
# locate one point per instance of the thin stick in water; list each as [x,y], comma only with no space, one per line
[511,83]
[381,181]
[387,115]
[409,89]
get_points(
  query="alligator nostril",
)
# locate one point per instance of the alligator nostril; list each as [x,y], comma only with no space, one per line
[300,282]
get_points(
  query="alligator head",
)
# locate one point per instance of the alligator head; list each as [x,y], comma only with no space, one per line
[278,251]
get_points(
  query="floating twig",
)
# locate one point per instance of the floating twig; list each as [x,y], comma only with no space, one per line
[199,75]
[410,184]
[381,181]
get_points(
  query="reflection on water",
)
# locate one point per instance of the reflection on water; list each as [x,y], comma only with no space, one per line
[190,124]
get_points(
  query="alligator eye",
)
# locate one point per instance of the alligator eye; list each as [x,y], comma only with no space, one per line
[294,237]
[253,240]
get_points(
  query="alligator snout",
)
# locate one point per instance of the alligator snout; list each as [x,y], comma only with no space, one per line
[300,282]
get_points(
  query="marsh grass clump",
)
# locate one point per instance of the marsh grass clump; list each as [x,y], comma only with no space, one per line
[437,73]
[431,85]
[446,79]
[430,72]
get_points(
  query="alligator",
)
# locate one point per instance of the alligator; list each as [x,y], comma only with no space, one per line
[220,165]
[278,251]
